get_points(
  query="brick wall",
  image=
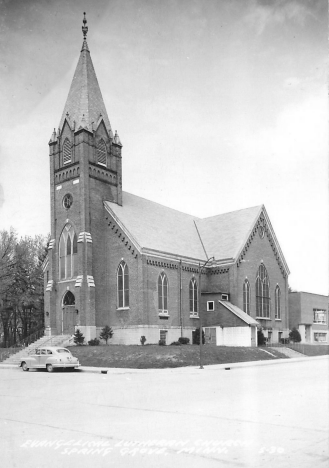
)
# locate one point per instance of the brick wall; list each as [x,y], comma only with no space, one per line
[220,316]
[259,251]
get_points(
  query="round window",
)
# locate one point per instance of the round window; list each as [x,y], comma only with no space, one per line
[67,201]
[261,231]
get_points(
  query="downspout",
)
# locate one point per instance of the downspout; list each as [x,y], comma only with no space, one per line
[180,298]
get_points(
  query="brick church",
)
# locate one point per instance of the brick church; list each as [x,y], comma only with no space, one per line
[144,269]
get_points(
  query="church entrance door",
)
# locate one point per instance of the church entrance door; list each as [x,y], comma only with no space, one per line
[69,314]
[69,320]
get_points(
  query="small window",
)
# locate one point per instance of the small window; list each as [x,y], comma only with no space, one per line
[210,306]
[163,335]
[67,201]
[225,297]
[320,337]
[67,153]
[320,316]
[101,153]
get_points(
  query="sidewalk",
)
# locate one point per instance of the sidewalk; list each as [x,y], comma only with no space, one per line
[187,369]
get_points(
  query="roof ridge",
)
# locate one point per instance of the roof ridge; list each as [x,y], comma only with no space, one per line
[160,204]
[235,211]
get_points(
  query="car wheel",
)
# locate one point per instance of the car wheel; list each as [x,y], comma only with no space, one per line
[24,366]
[50,368]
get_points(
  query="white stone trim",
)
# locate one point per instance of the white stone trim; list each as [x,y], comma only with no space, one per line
[90,281]
[51,244]
[50,285]
[85,237]
[78,281]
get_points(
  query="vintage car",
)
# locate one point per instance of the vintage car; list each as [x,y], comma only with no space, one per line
[49,358]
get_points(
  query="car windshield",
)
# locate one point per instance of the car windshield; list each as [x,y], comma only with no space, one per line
[63,350]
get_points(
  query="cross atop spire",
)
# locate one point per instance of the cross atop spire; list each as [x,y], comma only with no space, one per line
[84,27]
[84,32]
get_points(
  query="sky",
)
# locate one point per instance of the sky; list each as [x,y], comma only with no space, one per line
[220,105]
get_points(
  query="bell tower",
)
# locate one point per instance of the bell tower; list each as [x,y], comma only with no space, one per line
[85,170]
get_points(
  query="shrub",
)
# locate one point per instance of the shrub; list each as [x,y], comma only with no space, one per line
[261,340]
[183,340]
[196,337]
[175,343]
[162,343]
[142,340]
[94,342]
[106,333]
[294,335]
[78,338]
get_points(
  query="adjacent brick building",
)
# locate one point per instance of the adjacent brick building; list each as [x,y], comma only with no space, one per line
[142,268]
[308,313]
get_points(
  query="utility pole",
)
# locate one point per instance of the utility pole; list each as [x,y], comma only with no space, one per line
[200,314]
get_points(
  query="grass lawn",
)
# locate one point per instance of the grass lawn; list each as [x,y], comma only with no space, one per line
[160,357]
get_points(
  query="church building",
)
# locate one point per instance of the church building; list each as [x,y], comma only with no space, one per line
[142,268]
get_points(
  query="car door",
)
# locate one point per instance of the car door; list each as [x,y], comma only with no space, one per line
[33,359]
[42,358]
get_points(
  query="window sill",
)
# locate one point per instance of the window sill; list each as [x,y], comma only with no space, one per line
[263,318]
[278,320]
[67,280]
[122,308]
[162,314]
[194,316]
[317,323]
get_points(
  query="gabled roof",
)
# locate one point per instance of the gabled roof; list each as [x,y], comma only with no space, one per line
[156,227]
[224,235]
[85,103]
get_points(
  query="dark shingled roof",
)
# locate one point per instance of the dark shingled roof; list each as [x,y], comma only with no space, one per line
[85,102]
[157,227]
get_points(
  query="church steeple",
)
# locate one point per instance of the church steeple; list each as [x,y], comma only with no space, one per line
[84,104]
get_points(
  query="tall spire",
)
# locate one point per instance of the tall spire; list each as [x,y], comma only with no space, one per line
[84,103]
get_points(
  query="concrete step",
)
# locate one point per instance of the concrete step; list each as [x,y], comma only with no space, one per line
[57,340]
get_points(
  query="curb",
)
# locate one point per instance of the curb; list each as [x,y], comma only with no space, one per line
[209,367]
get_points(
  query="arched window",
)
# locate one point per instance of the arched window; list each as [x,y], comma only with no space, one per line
[101,153]
[123,285]
[277,303]
[262,293]
[67,151]
[68,251]
[246,297]
[193,297]
[68,299]
[163,293]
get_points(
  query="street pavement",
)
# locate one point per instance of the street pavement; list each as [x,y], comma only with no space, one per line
[233,415]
